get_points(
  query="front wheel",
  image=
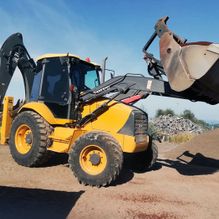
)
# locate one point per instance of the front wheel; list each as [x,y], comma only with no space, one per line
[144,160]
[96,159]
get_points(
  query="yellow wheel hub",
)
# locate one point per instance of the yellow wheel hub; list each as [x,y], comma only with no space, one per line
[23,139]
[93,159]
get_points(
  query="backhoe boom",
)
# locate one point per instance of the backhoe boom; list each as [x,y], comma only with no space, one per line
[14,54]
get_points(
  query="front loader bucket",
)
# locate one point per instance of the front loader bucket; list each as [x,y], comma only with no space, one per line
[190,66]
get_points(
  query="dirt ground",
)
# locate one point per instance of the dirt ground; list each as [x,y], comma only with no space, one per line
[184,183]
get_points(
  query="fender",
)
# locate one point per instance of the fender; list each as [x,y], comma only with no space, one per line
[45,112]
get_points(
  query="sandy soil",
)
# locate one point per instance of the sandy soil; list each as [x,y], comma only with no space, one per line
[183,184]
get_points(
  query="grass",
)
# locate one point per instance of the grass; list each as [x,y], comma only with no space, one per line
[181,138]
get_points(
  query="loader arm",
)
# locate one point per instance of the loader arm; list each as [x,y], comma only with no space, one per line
[134,87]
[14,54]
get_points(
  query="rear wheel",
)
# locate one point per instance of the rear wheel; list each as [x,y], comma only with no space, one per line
[29,139]
[96,159]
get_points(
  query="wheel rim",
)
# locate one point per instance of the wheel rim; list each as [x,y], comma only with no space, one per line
[93,159]
[23,139]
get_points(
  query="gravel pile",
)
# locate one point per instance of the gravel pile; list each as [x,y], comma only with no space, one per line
[172,125]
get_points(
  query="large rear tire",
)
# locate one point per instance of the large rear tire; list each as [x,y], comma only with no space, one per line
[96,159]
[29,139]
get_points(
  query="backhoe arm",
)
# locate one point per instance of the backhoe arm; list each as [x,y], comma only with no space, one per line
[14,54]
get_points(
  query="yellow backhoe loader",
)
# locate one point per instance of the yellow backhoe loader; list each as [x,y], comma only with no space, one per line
[66,111]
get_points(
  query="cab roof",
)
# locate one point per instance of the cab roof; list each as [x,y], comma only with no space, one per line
[52,55]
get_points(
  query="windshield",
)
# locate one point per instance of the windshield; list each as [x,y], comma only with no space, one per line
[54,85]
[84,76]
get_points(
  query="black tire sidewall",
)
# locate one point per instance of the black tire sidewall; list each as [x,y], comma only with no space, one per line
[25,159]
[142,161]
[106,175]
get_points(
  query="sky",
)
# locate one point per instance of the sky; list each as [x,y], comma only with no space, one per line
[117,29]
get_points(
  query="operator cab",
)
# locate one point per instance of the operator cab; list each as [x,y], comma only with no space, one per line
[60,78]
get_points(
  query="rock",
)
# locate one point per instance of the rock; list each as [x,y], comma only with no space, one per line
[171,125]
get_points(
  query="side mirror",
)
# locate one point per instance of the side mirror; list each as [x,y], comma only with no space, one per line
[109,74]
[112,73]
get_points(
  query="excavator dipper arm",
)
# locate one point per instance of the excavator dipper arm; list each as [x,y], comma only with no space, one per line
[14,54]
